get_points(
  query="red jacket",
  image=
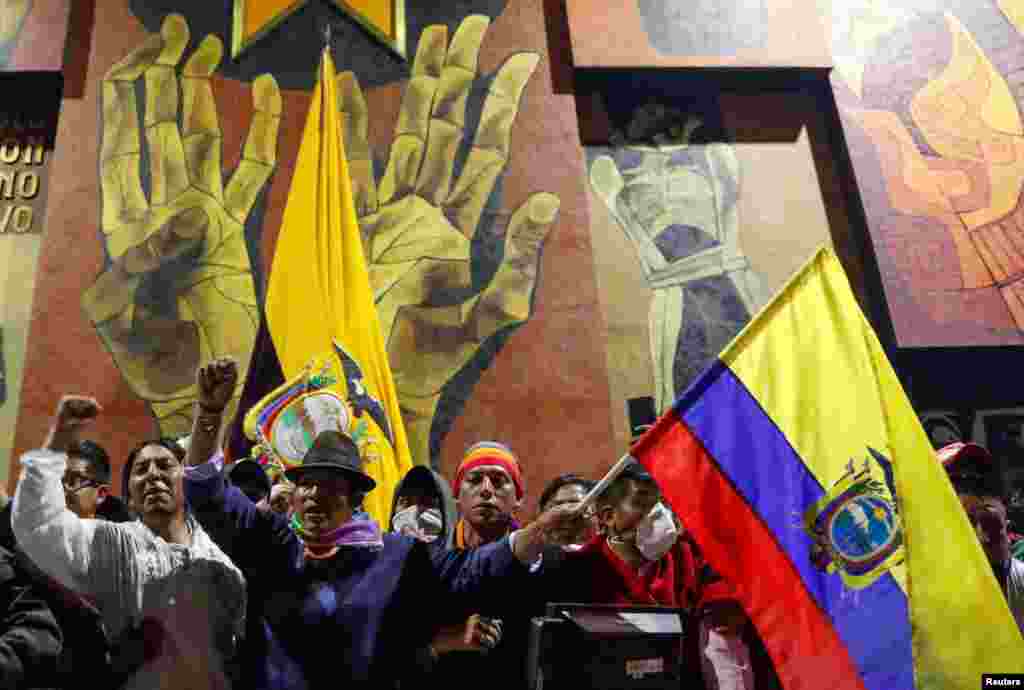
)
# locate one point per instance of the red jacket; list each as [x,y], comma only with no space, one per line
[680,579]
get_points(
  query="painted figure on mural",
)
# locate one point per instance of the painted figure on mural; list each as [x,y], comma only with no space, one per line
[452,274]
[676,201]
[704,27]
[937,95]
[12,17]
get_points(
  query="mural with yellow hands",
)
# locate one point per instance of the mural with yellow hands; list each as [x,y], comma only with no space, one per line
[452,277]
[178,288]
[931,102]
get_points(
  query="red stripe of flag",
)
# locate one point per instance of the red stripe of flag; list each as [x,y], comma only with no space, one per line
[805,648]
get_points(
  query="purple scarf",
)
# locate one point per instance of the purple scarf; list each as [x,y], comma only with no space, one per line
[356,532]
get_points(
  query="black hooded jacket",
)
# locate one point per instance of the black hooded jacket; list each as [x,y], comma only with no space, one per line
[424,476]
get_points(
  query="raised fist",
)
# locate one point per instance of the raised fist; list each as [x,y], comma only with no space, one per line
[217,381]
[75,412]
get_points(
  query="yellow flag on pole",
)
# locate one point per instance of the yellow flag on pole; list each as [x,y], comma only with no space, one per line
[320,307]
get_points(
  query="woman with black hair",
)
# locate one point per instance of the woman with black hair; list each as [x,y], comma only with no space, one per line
[172,601]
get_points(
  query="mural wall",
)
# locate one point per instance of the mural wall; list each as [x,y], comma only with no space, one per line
[930,95]
[32,35]
[693,228]
[469,177]
[699,33]
[32,46]
[528,288]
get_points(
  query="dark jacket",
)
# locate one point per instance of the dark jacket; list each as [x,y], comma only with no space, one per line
[30,640]
[84,652]
[481,589]
[360,619]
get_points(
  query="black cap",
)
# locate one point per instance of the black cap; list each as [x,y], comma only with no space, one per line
[244,471]
[333,450]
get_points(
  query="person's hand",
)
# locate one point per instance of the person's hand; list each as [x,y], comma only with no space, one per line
[725,617]
[530,540]
[217,381]
[475,634]
[12,16]
[563,517]
[178,287]
[419,220]
[74,413]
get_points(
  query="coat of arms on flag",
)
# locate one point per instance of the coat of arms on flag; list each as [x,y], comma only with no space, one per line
[855,525]
[285,423]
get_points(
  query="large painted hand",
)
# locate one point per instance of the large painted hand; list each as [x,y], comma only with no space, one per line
[12,16]
[178,286]
[420,221]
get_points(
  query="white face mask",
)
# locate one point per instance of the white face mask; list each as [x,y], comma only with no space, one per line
[423,525]
[656,533]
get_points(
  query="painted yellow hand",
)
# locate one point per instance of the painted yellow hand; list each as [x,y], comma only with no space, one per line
[12,15]
[178,289]
[419,222]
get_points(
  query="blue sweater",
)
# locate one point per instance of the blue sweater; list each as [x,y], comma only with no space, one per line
[359,619]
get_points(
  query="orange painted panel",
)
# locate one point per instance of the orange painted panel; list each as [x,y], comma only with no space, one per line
[258,13]
[379,13]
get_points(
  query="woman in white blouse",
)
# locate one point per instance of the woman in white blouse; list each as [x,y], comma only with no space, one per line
[171,600]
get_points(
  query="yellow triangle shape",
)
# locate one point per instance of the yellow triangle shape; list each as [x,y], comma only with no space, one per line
[253,19]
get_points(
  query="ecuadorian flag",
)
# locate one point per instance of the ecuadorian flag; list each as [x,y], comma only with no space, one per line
[320,310]
[801,469]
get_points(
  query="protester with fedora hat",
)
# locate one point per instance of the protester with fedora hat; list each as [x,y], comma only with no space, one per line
[332,599]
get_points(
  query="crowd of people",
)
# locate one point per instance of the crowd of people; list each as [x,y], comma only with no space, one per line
[206,576]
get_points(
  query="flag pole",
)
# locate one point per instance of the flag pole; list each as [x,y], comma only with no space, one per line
[606,480]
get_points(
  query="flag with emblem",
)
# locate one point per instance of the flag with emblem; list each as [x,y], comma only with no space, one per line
[320,361]
[804,474]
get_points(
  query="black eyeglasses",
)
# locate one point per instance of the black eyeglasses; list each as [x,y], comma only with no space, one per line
[74,483]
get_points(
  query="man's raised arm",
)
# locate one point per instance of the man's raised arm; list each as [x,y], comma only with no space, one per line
[216,381]
[55,538]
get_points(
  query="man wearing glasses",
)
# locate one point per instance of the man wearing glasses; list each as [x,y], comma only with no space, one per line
[86,480]
[86,483]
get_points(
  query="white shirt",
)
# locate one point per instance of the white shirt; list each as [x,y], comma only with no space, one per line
[124,567]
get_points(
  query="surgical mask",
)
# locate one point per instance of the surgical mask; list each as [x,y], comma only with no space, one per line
[656,533]
[425,525]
